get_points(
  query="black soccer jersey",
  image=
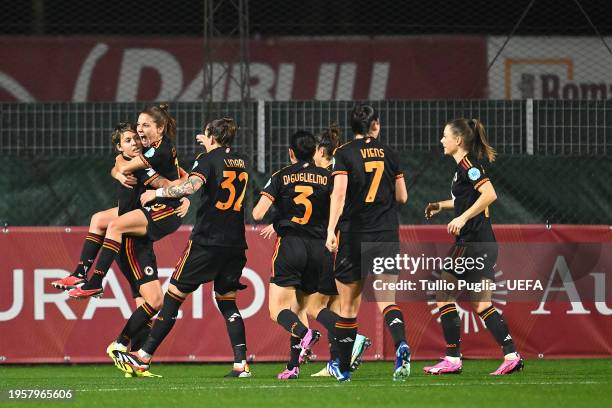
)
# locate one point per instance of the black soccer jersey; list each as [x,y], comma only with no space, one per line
[161,157]
[220,217]
[129,198]
[372,169]
[300,193]
[469,176]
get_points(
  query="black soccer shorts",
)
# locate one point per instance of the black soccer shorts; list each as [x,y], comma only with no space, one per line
[162,220]
[473,261]
[200,264]
[303,263]
[354,261]
[137,262]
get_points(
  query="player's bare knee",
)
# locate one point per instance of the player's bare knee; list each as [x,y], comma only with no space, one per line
[480,306]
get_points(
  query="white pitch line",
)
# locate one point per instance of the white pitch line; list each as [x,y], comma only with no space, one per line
[293,385]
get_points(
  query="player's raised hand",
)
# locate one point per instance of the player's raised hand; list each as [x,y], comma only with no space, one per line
[331,243]
[455,226]
[147,197]
[432,209]
[267,232]
[182,210]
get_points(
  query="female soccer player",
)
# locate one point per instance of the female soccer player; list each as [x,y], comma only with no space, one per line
[136,255]
[300,192]
[154,221]
[472,194]
[327,294]
[216,248]
[368,184]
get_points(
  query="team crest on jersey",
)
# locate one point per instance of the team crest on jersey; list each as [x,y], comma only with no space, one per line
[148,271]
[474,174]
[149,153]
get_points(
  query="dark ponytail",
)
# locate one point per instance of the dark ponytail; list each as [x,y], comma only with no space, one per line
[329,139]
[474,136]
[162,118]
[223,131]
[362,117]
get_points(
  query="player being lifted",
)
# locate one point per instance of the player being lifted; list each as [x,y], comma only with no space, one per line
[327,294]
[300,192]
[472,193]
[368,183]
[136,258]
[155,221]
[216,248]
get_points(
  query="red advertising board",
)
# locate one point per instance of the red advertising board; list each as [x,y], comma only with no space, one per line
[41,325]
[141,69]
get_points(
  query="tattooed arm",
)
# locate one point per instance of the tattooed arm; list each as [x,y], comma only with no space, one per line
[188,187]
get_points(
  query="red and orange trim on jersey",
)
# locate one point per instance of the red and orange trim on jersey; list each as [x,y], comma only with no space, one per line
[131,257]
[278,240]
[156,216]
[335,173]
[480,183]
[399,176]
[391,308]
[448,310]
[232,297]
[181,262]
[346,325]
[270,196]
[112,245]
[148,309]
[98,239]
[151,179]
[200,175]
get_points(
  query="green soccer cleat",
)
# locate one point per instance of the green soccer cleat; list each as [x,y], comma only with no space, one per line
[362,343]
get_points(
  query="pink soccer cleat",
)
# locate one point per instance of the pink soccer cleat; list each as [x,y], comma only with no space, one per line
[80,293]
[289,374]
[445,366]
[310,339]
[510,366]
[69,282]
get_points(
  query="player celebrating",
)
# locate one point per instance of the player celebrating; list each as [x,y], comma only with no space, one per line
[327,294]
[367,184]
[155,221]
[300,192]
[216,249]
[472,194]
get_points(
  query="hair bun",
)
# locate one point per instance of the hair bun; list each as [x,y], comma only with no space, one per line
[164,106]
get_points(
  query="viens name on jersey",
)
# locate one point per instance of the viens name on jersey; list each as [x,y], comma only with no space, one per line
[372,152]
[305,178]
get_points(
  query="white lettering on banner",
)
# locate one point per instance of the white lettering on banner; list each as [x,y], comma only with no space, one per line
[119,301]
[600,293]
[41,298]
[284,83]
[327,76]
[135,59]
[17,305]
[84,79]
[13,87]
[346,81]
[378,82]
[558,68]
[568,286]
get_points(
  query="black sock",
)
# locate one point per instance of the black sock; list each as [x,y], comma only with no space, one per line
[333,346]
[137,321]
[498,328]
[295,353]
[164,322]
[139,339]
[328,319]
[395,323]
[451,327]
[346,331]
[91,246]
[234,324]
[109,251]
[291,323]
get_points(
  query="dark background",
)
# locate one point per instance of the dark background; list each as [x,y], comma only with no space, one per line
[304,17]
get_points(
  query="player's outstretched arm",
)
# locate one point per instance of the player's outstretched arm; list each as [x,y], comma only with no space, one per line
[434,208]
[129,166]
[188,187]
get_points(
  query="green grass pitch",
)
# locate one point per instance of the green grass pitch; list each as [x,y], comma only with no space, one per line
[551,383]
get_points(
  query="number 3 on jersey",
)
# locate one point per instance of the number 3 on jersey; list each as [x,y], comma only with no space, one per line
[378,167]
[302,198]
[228,184]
